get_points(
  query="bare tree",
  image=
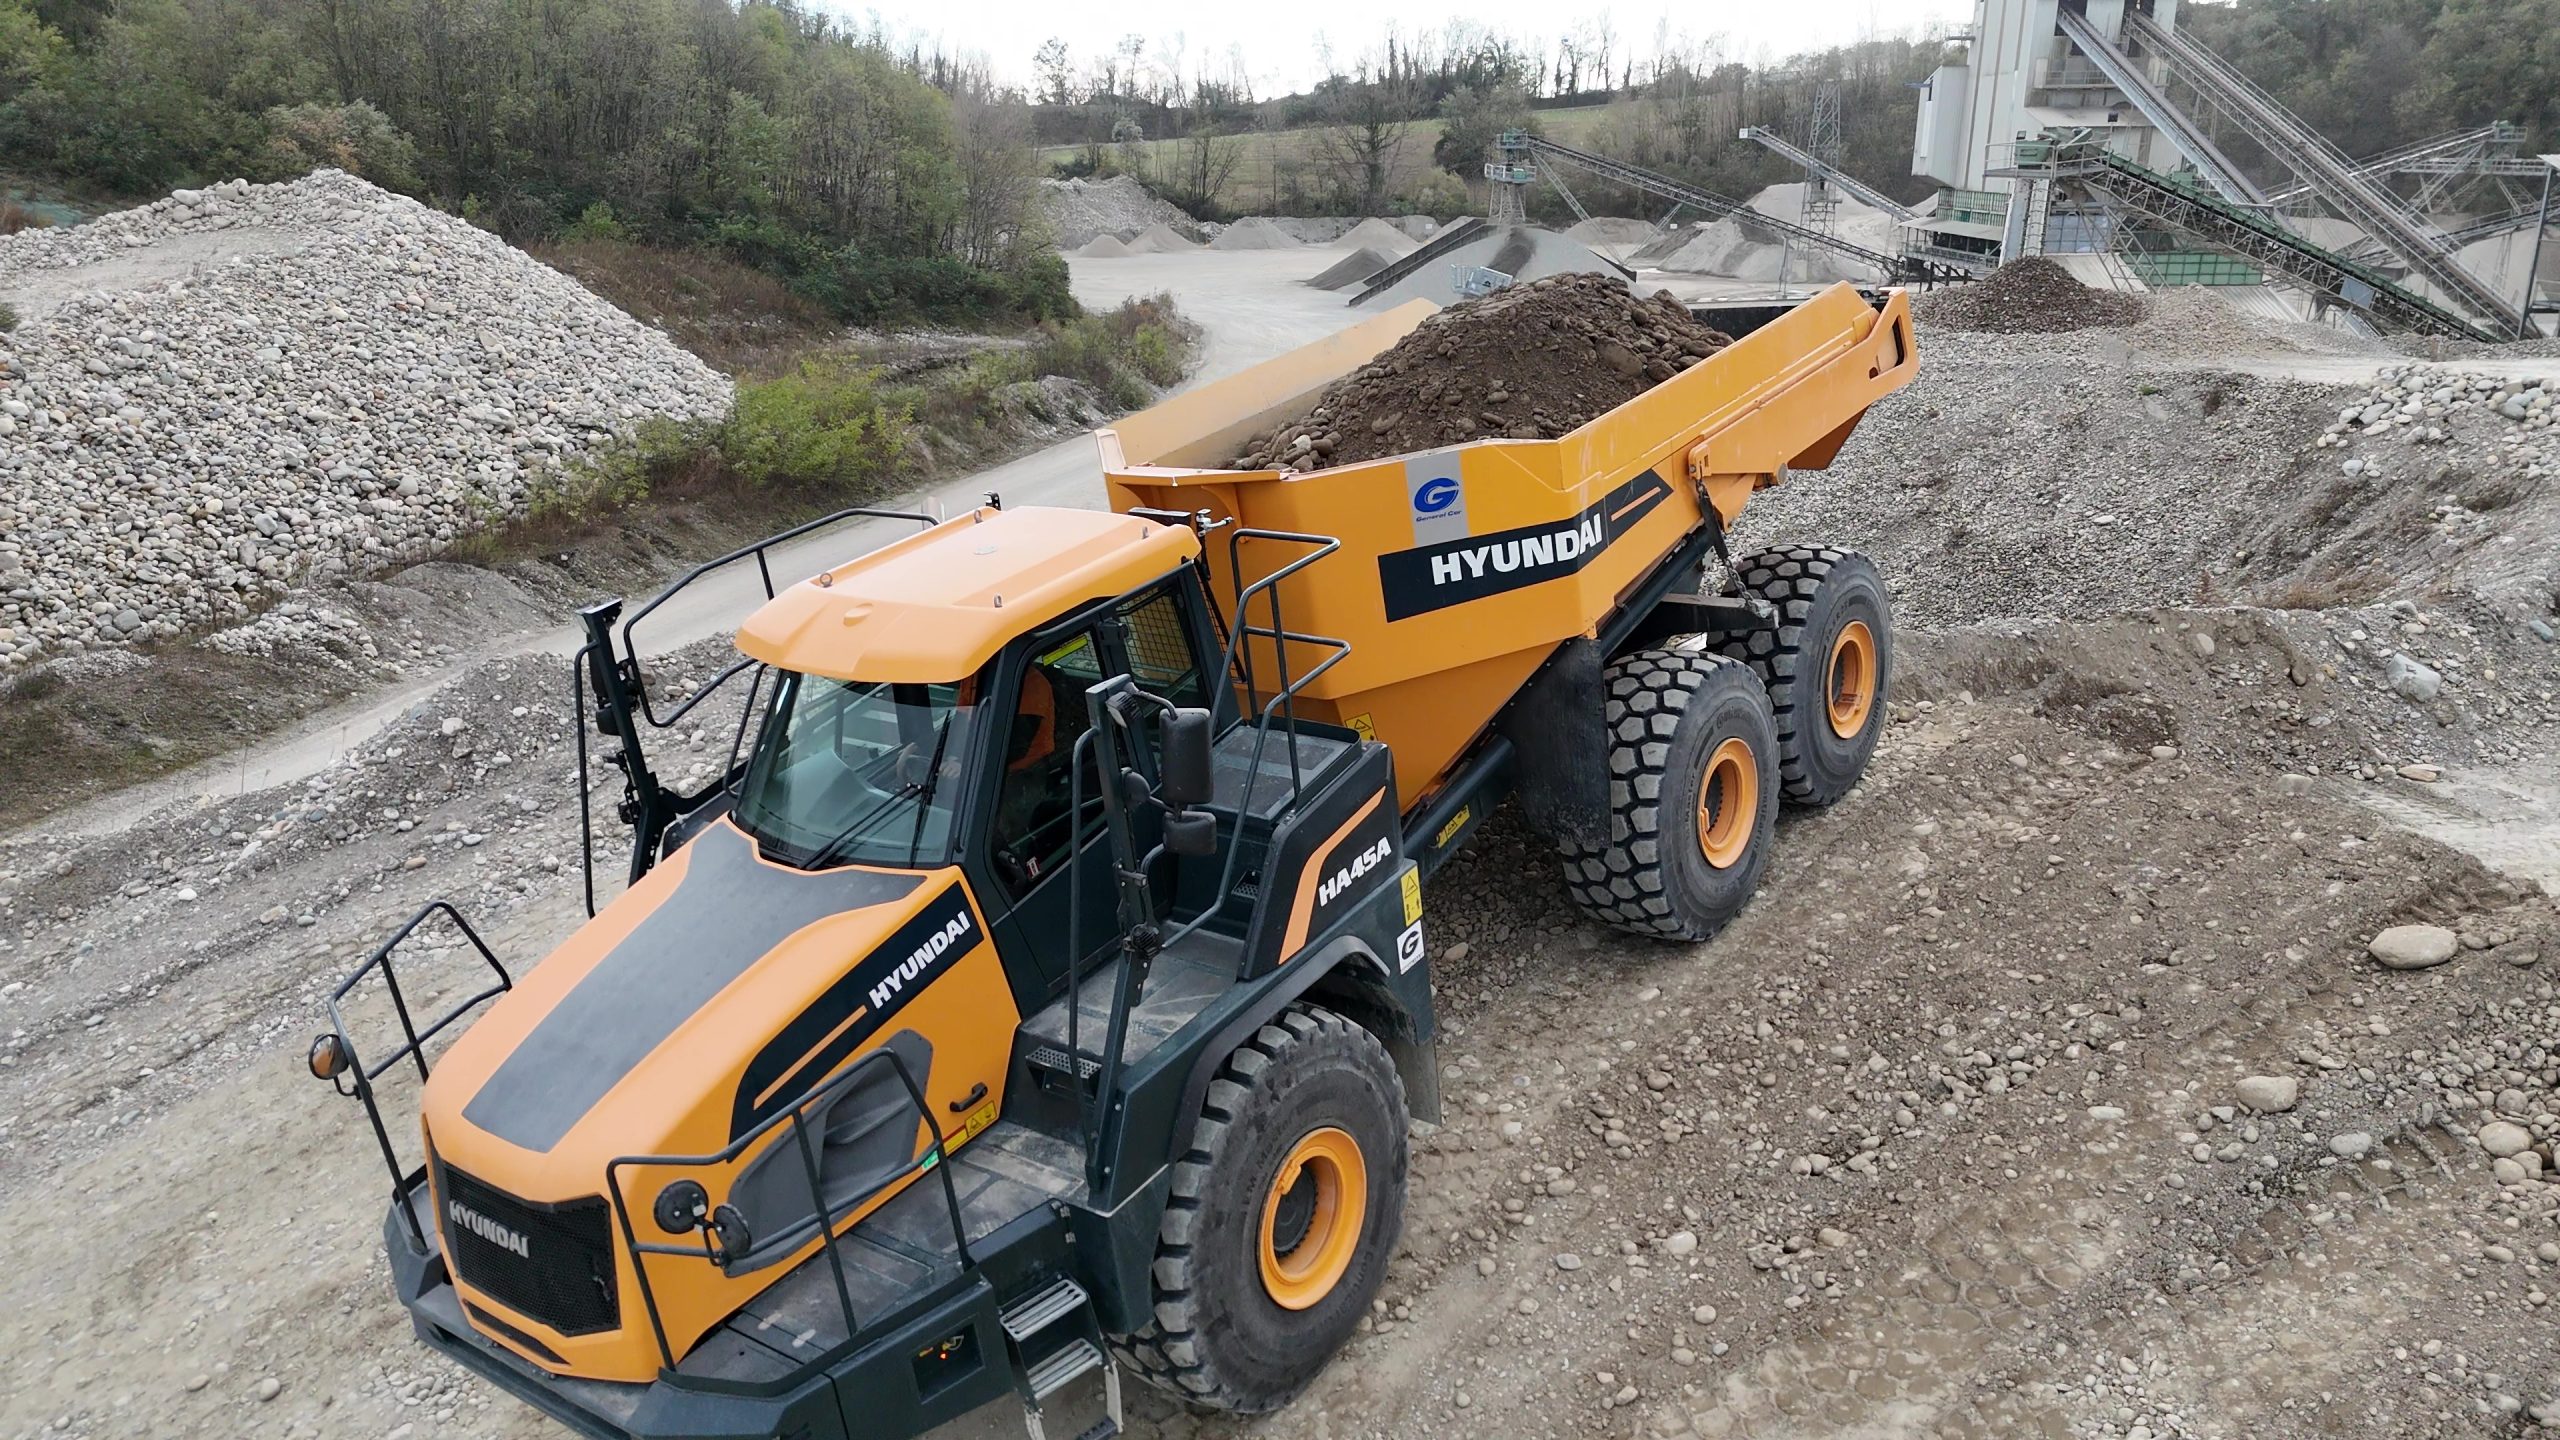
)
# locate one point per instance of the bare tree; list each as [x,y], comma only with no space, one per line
[1195,172]
[1368,119]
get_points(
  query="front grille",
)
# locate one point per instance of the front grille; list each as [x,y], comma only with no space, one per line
[553,1263]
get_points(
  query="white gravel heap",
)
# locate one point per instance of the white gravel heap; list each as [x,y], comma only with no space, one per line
[215,395]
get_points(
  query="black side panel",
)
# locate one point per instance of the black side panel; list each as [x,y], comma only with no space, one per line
[862,1138]
[1559,737]
[728,910]
[1334,852]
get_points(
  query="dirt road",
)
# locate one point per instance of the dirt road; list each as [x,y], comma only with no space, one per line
[2048,1088]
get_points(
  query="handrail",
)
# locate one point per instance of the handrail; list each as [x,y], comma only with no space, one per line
[612,671]
[356,1079]
[823,1217]
[764,571]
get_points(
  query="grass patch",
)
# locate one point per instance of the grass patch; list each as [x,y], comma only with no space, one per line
[827,430]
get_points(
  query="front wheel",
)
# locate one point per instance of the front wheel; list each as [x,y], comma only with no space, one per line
[1282,1217]
[1693,798]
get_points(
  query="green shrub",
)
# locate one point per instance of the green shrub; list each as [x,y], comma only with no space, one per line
[354,137]
[824,424]
[595,223]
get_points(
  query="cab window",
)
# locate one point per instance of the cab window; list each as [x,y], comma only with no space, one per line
[1146,639]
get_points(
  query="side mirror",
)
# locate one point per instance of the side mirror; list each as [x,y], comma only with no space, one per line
[1184,759]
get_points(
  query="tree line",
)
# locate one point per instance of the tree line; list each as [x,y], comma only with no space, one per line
[2370,74]
[795,142]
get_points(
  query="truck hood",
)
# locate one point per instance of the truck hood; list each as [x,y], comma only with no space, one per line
[707,995]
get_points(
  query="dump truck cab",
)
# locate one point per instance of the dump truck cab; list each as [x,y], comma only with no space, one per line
[916,998]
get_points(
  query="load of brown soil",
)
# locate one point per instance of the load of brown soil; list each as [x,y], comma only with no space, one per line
[1527,362]
[2032,296]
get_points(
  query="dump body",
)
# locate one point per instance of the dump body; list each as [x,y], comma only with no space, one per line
[1452,595]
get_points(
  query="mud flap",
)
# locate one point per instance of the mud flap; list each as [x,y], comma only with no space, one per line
[1559,732]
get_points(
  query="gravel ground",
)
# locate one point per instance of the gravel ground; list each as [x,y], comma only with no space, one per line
[2080,1075]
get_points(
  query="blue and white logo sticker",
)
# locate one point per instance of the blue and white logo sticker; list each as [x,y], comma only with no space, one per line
[1439,501]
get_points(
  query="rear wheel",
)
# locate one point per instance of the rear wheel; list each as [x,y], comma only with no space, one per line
[1282,1217]
[1693,796]
[1826,665]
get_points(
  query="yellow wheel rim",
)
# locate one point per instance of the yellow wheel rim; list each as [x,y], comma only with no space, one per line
[1312,1217]
[1728,802]
[1849,686]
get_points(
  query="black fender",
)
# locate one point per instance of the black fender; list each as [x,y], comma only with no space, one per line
[1344,974]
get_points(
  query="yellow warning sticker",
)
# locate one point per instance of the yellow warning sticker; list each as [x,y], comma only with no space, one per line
[1456,823]
[1367,727]
[979,1119]
[1412,896]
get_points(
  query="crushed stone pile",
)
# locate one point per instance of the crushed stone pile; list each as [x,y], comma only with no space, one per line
[1160,240]
[1079,210]
[1527,362]
[2032,296]
[1614,231]
[1254,233]
[1103,247]
[1376,234]
[220,393]
[1353,268]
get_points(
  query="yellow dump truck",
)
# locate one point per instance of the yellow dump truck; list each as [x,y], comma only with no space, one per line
[1043,986]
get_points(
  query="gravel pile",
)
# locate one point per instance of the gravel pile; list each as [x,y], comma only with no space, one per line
[1079,210]
[1353,268]
[1528,362]
[1254,233]
[232,389]
[2033,296]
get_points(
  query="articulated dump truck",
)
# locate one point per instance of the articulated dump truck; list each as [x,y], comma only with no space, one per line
[1043,988]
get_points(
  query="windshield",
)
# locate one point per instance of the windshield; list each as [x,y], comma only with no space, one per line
[855,772]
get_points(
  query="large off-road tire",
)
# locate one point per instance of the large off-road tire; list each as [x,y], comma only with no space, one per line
[1282,1217]
[1693,796]
[1827,666]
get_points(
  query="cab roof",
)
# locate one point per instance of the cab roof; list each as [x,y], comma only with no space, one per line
[938,605]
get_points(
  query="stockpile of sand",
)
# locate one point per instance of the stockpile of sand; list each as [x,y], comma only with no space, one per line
[1353,268]
[1103,247]
[1376,234]
[1528,362]
[2033,296]
[1159,240]
[1254,233]
[1614,231]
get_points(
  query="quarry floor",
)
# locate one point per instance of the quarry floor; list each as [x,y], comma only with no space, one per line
[1940,1138]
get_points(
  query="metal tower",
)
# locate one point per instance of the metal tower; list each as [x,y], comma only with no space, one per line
[1821,209]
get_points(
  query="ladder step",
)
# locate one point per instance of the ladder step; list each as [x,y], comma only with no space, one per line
[1105,1428]
[1037,1313]
[1077,1357]
[1054,1059]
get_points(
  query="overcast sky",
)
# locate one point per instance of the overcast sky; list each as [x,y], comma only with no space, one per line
[1282,40]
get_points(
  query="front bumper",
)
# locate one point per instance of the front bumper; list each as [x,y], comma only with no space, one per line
[878,1376]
